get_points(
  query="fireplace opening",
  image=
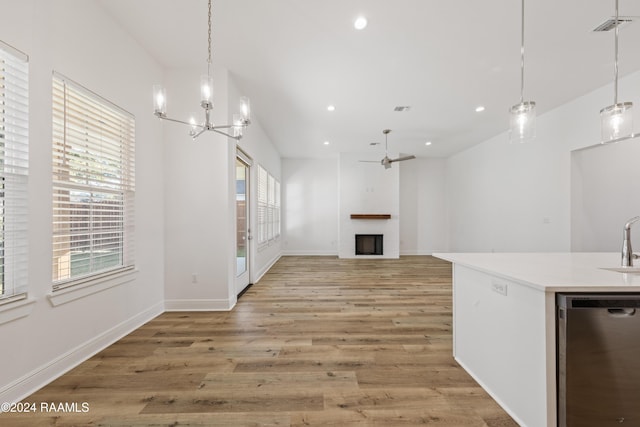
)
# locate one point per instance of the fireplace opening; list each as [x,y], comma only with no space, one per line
[368,244]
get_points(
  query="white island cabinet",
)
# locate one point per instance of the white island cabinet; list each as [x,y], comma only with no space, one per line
[504,323]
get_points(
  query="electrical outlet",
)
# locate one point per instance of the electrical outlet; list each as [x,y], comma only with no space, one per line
[499,287]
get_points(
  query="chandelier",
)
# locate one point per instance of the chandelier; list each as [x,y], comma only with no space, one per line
[239,121]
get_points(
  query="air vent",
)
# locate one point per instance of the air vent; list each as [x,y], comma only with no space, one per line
[610,24]
[402,108]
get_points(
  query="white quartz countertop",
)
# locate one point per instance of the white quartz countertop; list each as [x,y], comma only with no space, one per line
[553,272]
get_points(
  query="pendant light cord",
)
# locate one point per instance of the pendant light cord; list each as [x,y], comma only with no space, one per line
[209,43]
[522,56]
[615,62]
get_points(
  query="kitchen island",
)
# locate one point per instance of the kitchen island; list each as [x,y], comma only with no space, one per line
[504,322]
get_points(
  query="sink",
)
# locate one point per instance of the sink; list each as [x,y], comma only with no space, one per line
[631,270]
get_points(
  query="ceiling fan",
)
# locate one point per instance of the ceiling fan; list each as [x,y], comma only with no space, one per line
[386,161]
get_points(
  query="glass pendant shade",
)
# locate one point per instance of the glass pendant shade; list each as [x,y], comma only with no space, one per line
[206,90]
[245,109]
[238,123]
[159,100]
[616,121]
[522,122]
[193,123]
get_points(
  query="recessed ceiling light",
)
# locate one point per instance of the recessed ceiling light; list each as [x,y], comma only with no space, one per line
[326,143]
[331,108]
[427,143]
[360,23]
[479,109]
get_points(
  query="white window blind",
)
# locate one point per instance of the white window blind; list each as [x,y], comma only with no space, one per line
[93,185]
[276,215]
[262,205]
[14,168]
[268,207]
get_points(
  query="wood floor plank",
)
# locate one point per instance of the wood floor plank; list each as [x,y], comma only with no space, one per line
[318,341]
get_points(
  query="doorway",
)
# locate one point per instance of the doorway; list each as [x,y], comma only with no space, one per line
[243,230]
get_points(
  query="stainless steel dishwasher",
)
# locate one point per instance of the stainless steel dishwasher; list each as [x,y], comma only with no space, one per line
[598,359]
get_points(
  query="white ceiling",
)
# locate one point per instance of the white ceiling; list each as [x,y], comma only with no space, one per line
[443,58]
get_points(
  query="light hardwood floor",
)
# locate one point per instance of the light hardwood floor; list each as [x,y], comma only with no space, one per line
[318,341]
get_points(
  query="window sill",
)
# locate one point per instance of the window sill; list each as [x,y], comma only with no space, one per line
[14,310]
[100,284]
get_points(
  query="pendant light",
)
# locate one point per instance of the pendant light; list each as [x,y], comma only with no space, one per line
[239,122]
[616,120]
[522,123]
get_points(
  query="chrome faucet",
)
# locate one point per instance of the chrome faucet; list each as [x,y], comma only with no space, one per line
[627,253]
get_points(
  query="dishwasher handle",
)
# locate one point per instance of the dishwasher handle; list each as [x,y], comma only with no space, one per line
[621,312]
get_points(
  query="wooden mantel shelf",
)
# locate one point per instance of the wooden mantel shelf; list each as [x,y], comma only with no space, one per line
[370,216]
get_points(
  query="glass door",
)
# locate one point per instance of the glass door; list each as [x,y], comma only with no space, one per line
[243,236]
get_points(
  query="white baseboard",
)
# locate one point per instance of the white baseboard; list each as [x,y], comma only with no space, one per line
[198,305]
[39,377]
[266,268]
[417,252]
[310,253]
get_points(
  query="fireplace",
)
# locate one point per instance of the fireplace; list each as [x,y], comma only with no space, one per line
[368,244]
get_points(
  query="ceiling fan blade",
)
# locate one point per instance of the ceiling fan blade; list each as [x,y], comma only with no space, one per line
[369,161]
[400,159]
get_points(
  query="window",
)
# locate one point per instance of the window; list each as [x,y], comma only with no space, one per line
[93,185]
[14,167]
[268,207]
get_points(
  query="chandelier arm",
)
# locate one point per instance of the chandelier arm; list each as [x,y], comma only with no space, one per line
[163,117]
[226,126]
[237,138]
[197,134]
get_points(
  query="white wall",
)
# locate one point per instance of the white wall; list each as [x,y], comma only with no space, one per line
[310,206]
[604,197]
[77,39]
[368,188]
[423,216]
[311,209]
[199,207]
[516,197]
